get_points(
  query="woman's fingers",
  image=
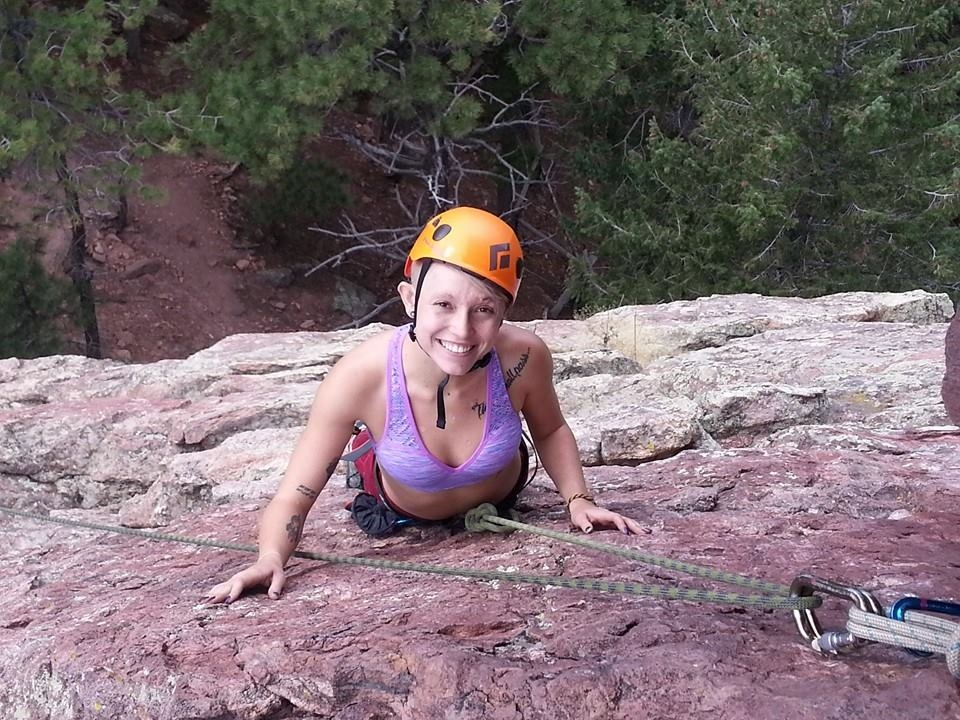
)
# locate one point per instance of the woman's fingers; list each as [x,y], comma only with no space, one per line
[602,516]
[636,528]
[276,584]
[218,593]
[227,592]
[236,590]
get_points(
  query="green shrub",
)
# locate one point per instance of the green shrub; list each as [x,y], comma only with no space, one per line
[31,304]
[307,193]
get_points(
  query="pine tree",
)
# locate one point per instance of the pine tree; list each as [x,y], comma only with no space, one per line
[60,88]
[460,94]
[31,305]
[816,152]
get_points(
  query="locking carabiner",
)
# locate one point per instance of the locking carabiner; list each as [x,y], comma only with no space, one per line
[898,611]
[809,626]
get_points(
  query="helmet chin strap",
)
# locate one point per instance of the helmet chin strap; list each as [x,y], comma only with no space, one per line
[427,262]
[481,363]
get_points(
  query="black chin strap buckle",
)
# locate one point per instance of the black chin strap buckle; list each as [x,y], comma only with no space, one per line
[441,410]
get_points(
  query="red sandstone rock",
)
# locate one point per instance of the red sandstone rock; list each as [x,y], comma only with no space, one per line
[822,447]
[951,377]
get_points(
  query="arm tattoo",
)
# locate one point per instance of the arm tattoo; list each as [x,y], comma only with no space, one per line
[480,408]
[513,373]
[309,492]
[332,467]
[294,529]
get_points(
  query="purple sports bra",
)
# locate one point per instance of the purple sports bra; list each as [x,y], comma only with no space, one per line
[402,454]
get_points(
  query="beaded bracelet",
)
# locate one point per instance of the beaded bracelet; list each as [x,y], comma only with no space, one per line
[579,496]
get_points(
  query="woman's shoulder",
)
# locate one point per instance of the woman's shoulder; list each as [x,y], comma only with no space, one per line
[516,341]
[368,357]
[353,388]
[378,342]
[358,377]
[523,357]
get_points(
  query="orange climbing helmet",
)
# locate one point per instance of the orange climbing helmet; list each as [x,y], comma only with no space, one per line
[473,240]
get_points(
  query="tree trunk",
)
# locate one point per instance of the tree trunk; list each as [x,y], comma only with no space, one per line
[123,210]
[134,40]
[75,262]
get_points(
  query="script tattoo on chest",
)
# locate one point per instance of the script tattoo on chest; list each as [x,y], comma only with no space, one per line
[513,373]
[480,408]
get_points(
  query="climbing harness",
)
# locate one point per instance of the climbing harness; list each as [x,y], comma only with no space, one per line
[354,476]
[905,627]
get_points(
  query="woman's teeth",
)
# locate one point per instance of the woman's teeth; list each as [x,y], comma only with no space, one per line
[454,347]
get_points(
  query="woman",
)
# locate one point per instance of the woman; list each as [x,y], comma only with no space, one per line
[442,398]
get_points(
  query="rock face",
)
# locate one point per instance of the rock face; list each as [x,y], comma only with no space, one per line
[951,378]
[760,436]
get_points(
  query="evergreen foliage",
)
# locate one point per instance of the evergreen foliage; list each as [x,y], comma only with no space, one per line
[31,304]
[711,146]
[57,76]
[310,191]
[266,74]
[60,91]
[459,94]
[819,155]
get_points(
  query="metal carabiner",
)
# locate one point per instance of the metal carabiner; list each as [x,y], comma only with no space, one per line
[898,611]
[807,623]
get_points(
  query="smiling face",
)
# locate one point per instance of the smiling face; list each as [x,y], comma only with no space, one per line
[458,317]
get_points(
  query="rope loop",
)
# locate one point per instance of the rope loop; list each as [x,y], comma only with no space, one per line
[927,634]
[476,520]
[953,653]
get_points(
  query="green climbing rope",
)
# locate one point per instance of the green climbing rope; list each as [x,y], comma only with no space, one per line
[777,602]
[485,518]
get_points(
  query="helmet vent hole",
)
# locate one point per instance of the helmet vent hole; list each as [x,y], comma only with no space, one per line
[441,232]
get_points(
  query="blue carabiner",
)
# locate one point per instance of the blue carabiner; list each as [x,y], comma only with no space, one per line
[899,609]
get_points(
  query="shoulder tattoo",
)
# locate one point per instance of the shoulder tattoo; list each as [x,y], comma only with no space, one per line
[513,373]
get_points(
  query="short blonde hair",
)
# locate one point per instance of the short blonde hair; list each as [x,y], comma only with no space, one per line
[498,292]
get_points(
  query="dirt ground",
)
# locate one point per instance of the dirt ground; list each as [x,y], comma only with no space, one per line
[178,277]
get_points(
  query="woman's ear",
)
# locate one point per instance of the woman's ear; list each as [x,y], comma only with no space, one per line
[407,296]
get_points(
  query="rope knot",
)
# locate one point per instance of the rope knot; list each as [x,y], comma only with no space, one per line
[476,520]
[953,653]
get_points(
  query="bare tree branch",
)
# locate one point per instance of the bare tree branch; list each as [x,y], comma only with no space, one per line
[432,169]
[366,240]
[370,315]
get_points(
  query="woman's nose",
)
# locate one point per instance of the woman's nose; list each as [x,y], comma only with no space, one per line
[461,323]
